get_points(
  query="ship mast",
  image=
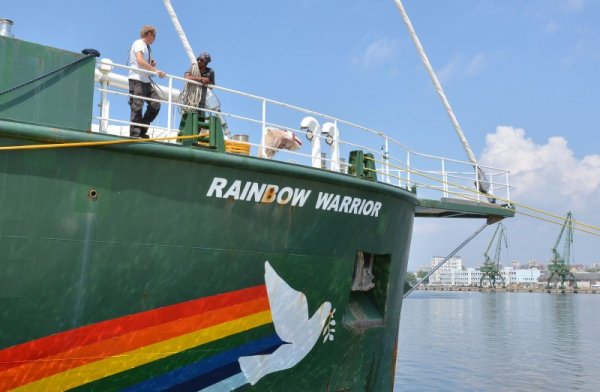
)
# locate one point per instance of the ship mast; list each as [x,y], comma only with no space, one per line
[482,182]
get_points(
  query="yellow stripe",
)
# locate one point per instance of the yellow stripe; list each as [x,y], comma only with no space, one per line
[116,364]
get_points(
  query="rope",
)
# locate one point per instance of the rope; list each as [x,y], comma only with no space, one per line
[88,53]
[93,144]
[192,93]
[182,37]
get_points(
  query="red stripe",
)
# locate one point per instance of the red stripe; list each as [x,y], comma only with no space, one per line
[80,356]
[54,344]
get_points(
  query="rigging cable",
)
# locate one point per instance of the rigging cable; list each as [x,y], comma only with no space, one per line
[192,92]
[595,230]
[475,192]
[483,182]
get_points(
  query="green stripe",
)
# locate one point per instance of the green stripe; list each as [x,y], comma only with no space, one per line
[144,372]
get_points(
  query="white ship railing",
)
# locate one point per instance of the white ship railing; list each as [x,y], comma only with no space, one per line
[250,115]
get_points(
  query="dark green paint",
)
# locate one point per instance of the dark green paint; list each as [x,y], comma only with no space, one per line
[152,238]
[62,100]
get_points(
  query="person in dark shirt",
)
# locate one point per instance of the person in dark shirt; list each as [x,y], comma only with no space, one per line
[207,76]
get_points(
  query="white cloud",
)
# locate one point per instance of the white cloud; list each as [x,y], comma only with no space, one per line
[476,64]
[377,53]
[459,66]
[450,69]
[544,174]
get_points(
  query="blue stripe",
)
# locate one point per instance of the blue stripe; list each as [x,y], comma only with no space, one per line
[218,375]
[206,380]
[223,365]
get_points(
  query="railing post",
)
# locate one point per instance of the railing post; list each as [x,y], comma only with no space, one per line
[104,106]
[477,183]
[335,148]
[105,68]
[507,187]
[170,105]
[385,156]
[444,179]
[262,153]
[407,169]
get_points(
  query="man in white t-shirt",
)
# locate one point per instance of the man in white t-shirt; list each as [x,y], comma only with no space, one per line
[140,57]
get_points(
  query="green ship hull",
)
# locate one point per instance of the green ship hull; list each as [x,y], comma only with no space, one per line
[154,266]
[96,234]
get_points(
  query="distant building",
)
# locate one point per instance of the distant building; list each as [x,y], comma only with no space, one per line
[453,264]
[453,273]
[584,279]
[521,276]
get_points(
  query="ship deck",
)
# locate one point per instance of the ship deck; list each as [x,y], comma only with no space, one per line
[459,208]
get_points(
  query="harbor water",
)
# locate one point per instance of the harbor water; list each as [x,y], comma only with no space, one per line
[486,341]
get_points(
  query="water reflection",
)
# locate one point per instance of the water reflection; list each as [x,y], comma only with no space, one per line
[488,341]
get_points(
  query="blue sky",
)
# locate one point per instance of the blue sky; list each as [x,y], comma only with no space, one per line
[522,77]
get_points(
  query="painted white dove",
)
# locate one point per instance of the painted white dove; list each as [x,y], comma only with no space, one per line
[289,310]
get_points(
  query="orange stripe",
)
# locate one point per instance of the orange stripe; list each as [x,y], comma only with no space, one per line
[80,356]
[60,342]
[112,365]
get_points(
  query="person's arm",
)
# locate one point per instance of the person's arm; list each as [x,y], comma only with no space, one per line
[199,79]
[144,64]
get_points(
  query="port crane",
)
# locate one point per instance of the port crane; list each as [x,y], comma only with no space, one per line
[559,267]
[491,268]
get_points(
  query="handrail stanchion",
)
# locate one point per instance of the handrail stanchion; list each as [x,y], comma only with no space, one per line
[386,153]
[335,148]
[264,130]
[444,179]
[170,105]
[104,68]
[104,106]
[507,186]
[407,169]
[477,183]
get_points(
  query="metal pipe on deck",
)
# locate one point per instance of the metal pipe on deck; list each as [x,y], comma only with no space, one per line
[6,28]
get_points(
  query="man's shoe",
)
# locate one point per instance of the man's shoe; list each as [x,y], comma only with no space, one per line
[144,136]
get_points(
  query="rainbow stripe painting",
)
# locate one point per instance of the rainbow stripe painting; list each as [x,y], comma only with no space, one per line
[113,348]
[212,343]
